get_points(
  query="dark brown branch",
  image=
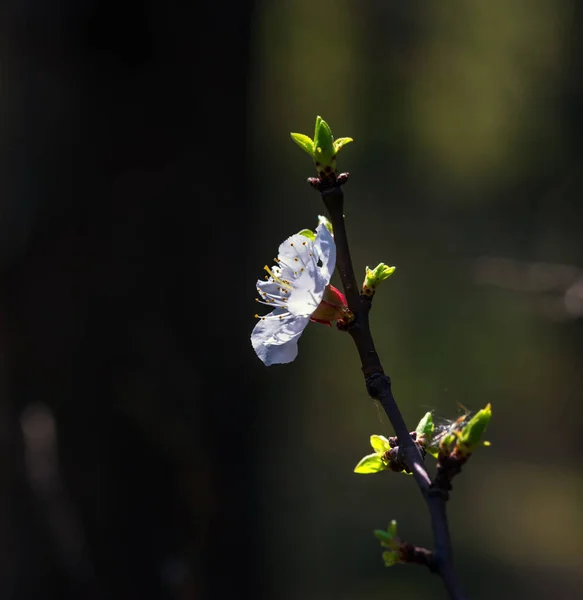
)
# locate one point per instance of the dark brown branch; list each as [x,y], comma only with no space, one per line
[378,385]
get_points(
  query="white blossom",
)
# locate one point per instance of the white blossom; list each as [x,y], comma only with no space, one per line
[294,288]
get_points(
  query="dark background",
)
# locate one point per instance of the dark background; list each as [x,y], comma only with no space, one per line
[147,176]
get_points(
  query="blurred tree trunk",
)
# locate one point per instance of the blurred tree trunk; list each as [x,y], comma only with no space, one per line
[123,204]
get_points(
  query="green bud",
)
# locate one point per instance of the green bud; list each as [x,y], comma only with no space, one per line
[390,558]
[392,529]
[374,276]
[425,427]
[390,540]
[471,434]
[323,148]
[324,153]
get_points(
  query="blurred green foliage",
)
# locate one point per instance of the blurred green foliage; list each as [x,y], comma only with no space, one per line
[468,121]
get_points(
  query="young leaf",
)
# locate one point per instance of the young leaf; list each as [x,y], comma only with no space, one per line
[379,443]
[383,536]
[390,558]
[323,144]
[472,433]
[340,142]
[426,426]
[304,142]
[373,277]
[370,464]
[318,121]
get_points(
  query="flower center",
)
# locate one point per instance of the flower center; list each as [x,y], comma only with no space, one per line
[283,282]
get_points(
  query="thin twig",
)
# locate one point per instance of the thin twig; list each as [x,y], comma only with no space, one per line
[378,385]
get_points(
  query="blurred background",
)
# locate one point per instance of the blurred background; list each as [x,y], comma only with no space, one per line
[147,175]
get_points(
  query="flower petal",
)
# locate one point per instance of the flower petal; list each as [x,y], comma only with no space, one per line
[273,292]
[275,339]
[326,251]
[307,293]
[295,254]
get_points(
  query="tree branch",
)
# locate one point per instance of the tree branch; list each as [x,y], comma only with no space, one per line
[378,385]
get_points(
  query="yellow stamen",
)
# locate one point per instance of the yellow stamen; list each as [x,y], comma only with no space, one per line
[282,282]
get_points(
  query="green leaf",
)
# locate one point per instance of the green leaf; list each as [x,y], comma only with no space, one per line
[308,233]
[370,464]
[304,142]
[426,426]
[318,121]
[382,535]
[379,443]
[341,142]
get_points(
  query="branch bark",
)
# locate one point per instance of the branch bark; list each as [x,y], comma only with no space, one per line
[378,385]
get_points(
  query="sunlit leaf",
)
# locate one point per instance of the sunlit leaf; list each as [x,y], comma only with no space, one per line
[340,142]
[379,443]
[370,464]
[426,426]
[390,558]
[304,142]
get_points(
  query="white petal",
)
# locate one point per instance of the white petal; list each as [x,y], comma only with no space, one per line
[275,340]
[295,254]
[307,293]
[273,290]
[326,251]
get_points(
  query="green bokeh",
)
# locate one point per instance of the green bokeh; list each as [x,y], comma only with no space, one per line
[464,177]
